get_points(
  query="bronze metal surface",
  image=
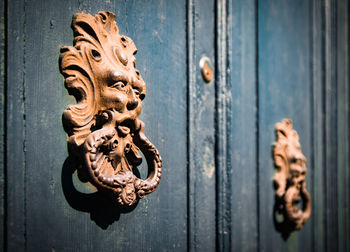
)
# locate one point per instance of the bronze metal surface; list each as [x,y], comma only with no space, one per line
[206,69]
[103,127]
[290,176]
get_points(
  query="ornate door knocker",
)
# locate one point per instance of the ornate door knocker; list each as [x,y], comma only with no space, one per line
[103,128]
[290,177]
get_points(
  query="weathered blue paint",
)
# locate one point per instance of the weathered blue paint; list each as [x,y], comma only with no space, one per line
[243,141]
[15,129]
[2,122]
[201,131]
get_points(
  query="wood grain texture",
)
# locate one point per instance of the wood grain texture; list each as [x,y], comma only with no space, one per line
[343,159]
[201,102]
[16,122]
[331,127]
[222,127]
[317,163]
[2,123]
[243,129]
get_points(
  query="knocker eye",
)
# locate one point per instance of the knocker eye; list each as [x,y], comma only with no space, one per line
[96,55]
[142,96]
[293,160]
[139,94]
[120,85]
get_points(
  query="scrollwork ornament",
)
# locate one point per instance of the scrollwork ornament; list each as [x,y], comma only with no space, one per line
[103,127]
[290,177]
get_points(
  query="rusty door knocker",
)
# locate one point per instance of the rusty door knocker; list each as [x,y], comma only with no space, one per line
[103,128]
[290,176]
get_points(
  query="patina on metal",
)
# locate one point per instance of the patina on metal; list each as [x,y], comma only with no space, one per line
[103,127]
[290,177]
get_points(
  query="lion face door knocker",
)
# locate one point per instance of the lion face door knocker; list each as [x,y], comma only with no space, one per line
[290,177]
[103,128]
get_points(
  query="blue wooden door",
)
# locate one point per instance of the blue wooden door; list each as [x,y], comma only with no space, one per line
[272,59]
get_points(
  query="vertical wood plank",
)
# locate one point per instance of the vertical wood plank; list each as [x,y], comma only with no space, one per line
[284,92]
[243,141]
[201,142]
[222,127]
[343,129]
[15,127]
[2,122]
[318,160]
[331,127]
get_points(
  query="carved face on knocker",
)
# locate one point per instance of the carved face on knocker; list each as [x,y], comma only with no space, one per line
[120,85]
[290,175]
[296,160]
[103,127]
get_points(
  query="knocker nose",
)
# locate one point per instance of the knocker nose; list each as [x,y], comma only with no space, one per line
[132,102]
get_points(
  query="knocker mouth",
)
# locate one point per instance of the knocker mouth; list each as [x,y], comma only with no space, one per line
[124,123]
[128,126]
[112,152]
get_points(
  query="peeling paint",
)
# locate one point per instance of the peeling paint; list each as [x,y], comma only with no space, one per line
[208,162]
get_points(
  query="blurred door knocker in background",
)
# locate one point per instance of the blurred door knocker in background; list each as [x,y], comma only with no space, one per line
[290,178]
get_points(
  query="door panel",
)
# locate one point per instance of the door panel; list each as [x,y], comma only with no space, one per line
[14,168]
[271,60]
[2,120]
[285,86]
[243,150]
[201,121]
